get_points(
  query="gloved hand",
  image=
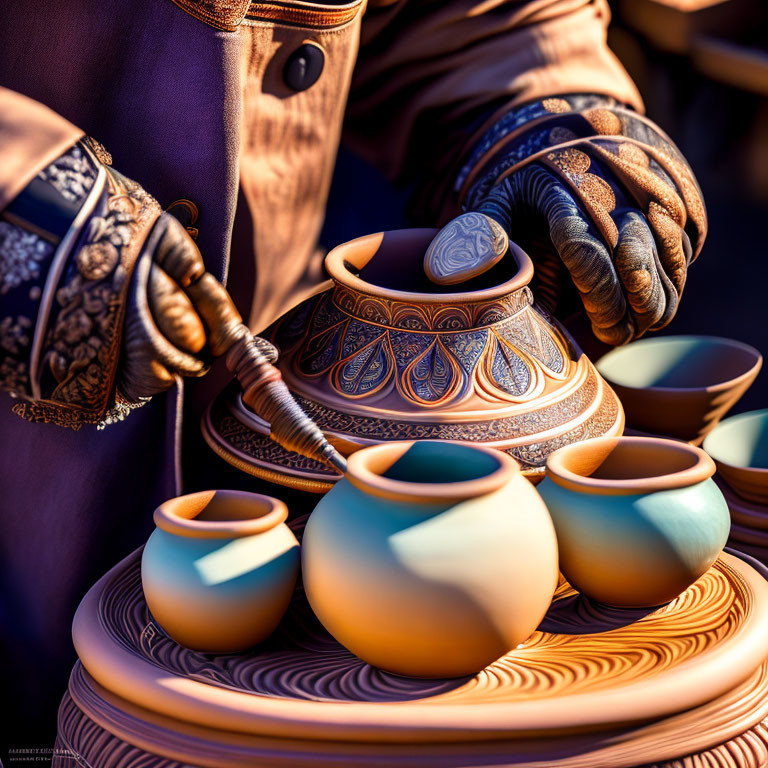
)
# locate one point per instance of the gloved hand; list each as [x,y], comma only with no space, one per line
[610,192]
[164,335]
[104,299]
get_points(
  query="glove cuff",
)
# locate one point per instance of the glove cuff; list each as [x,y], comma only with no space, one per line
[66,288]
[509,137]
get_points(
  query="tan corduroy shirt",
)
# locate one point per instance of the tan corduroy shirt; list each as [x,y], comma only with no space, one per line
[192,100]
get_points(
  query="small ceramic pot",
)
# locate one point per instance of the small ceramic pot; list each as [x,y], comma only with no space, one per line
[638,519]
[739,447]
[680,386]
[430,559]
[219,570]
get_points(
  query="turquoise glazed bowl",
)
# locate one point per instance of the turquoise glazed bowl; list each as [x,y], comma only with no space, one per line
[219,570]
[679,386]
[739,447]
[638,519]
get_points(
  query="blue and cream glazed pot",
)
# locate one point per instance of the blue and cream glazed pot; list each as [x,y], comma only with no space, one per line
[638,519]
[382,354]
[219,570]
[430,558]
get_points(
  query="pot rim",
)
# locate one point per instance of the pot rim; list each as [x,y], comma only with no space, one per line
[559,472]
[337,260]
[713,388]
[710,439]
[369,479]
[170,515]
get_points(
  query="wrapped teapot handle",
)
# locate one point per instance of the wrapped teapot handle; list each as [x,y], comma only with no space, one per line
[252,359]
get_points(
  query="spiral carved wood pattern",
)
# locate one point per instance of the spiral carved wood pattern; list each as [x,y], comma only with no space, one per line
[301,673]
[579,647]
[85,721]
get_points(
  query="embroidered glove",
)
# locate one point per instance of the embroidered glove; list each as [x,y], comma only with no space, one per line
[103,297]
[164,335]
[614,197]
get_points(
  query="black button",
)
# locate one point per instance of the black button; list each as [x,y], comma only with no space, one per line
[303,67]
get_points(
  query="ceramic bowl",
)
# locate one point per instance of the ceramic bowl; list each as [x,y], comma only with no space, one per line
[679,386]
[638,519]
[739,447]
[219,570]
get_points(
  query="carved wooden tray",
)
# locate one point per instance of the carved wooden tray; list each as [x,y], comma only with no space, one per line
[105,731]
[587,667]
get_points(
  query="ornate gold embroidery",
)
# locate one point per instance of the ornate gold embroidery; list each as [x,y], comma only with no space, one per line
[556,106]
[603,121]
[81,348]
[98,149]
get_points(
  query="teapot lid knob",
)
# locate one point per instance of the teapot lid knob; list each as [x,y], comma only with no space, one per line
[466,247]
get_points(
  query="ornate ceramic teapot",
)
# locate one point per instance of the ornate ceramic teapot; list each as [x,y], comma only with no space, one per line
[380,353]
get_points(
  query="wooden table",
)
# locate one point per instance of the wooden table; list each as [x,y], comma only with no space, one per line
[593,686]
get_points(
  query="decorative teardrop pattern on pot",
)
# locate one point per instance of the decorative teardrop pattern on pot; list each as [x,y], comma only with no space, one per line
[434,377]
[358,335]
[361,355]
[406,347]
[466,347]
[321,351]
[367,371]
[527,331]
[322,342]
[503,371]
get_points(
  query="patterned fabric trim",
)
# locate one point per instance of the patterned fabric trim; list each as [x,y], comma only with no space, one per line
[25,258]
[71,175]
[314,15]
[226,15]
[71,375]
[21,255]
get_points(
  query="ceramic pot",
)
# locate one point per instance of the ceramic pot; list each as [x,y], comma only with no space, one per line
[382,354]
[680,386]
[219,570]
[430,559]
[739,447]
[638,519]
